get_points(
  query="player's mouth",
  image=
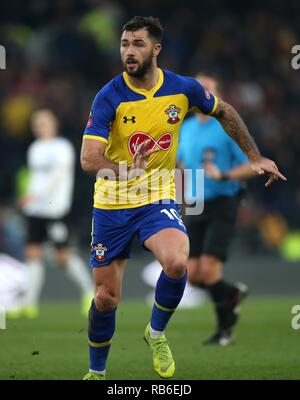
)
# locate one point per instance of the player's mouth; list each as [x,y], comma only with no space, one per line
[131,63]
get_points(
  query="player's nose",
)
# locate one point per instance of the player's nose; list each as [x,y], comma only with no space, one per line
[130,51]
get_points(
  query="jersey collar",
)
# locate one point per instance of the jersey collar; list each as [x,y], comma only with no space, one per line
[147,93]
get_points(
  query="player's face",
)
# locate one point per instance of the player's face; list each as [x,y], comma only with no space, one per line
[43,124]
[138,52]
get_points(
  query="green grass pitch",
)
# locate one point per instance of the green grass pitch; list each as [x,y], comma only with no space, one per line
[54,346]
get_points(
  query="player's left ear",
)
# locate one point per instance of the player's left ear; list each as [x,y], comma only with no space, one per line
[156,49]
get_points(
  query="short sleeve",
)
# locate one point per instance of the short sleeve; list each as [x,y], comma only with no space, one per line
[101,116]
[200,98]
[238,156]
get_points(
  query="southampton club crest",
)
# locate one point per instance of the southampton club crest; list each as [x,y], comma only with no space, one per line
[100,251]
[172,111]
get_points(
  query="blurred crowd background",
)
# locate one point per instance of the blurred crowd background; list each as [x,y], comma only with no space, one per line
[60,53]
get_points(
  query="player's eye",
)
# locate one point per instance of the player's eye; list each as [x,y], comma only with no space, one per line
[139,44]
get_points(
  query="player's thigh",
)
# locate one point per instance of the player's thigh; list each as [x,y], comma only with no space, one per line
[193,269]
[170,247]
[162,230]
[62,255]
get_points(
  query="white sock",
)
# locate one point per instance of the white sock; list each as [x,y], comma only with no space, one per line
[98,372]
[155,334]
[78,273]
[35,282]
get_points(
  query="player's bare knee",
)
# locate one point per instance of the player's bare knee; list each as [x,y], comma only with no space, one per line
[175,267]
[193,271]
[209,269]
[193,277]
[206,276]
[209,262]
[33,252]
[62,258]
[105,299]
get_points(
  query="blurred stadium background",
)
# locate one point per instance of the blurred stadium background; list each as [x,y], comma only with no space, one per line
[60,52]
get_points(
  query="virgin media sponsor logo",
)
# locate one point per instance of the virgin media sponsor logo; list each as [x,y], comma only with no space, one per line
[163,143]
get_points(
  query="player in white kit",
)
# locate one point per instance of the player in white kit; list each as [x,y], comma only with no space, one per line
[46,206]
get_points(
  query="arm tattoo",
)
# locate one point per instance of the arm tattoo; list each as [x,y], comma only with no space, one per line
[236,128]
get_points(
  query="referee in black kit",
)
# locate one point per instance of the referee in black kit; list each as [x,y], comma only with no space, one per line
[204,144]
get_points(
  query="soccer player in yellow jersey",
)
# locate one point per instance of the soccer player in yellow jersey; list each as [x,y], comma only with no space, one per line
[130,145]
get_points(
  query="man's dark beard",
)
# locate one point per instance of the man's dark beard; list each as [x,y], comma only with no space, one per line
[142,69]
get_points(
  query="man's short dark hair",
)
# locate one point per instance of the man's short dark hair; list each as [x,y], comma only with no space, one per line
[151,24]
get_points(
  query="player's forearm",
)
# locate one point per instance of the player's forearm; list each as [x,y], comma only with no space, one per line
[94,163]
[236,128]
[101,166]
[240,173]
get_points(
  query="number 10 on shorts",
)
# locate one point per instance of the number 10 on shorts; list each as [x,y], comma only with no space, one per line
[173,214]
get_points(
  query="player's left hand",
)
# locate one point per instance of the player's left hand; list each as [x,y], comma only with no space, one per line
[265,166]
[212,171]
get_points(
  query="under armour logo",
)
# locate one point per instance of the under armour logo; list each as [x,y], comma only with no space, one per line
[126,119]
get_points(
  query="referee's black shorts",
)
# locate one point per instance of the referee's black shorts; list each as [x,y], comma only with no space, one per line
[212,232]
[41,230]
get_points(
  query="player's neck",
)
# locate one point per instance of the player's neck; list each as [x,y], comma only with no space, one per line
[148,81]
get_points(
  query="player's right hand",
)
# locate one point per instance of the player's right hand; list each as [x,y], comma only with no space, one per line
[141,157]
